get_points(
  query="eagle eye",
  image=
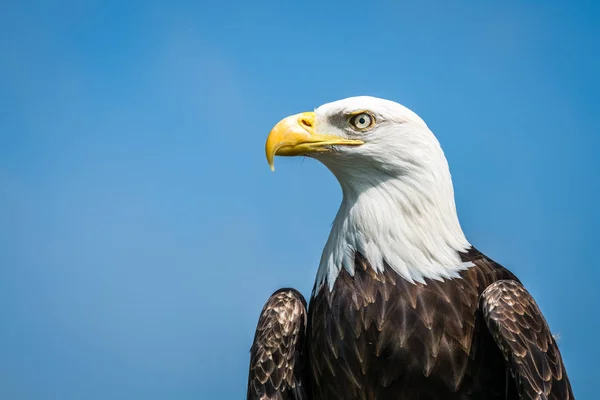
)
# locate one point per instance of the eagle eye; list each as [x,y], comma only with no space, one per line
[362,121]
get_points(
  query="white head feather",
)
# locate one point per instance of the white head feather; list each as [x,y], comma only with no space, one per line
[398,201]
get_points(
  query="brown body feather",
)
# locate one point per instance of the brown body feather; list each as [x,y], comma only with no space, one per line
[277,354]
[378,336]
[522,334]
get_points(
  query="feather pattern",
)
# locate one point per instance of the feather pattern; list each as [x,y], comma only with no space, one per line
[276,361]
[522,334]
[378,336]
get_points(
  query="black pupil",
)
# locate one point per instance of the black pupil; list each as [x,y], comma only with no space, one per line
[362,120]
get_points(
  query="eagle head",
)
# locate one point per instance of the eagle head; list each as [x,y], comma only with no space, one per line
[398,206]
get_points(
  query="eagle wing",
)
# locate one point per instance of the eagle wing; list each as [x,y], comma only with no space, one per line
[522,334]
[277,353]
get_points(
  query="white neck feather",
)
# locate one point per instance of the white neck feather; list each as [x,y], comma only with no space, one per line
[406,221]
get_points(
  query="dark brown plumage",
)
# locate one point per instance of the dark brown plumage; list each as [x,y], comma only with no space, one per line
[521,332]
[378,336]
[277,354]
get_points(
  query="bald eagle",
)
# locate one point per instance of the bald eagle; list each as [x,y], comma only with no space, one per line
[403,306]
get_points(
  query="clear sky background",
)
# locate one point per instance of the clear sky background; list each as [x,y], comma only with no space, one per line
[141,230]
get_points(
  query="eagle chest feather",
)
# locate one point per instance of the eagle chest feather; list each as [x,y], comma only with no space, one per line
[376,330]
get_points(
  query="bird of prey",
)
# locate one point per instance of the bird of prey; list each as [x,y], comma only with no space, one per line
[403,306]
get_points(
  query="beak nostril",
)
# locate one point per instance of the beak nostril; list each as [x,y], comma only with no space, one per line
[306,122]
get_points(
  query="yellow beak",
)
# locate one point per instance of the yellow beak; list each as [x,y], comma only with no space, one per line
[295,135]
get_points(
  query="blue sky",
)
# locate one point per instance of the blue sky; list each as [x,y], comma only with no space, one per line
[141,230]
